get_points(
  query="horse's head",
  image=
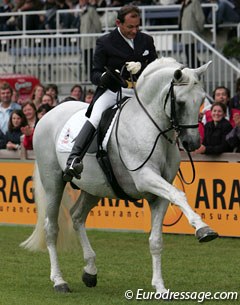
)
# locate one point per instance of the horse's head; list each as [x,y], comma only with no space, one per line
[173,95]
[183,102]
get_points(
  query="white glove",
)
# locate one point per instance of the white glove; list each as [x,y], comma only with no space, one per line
[133,66]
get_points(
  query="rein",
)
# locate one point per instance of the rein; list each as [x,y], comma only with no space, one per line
[178,127]
[174,125]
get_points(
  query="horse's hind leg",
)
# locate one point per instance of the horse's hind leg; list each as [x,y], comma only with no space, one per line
[79,213]
[158,210]
[54,187]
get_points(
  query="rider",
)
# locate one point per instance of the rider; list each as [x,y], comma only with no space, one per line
[124,46]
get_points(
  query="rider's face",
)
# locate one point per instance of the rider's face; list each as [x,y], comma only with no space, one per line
[130,26]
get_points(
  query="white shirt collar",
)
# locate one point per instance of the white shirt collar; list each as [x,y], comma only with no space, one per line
[129,41]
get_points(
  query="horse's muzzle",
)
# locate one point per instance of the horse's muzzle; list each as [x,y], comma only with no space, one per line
[190,145]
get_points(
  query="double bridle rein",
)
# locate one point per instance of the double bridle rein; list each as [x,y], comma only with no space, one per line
[174,126]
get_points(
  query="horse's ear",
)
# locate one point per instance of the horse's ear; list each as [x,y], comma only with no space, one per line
[177,75]
[199,71]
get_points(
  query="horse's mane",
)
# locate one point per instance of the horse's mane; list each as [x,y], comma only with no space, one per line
[168,65]
[161,63]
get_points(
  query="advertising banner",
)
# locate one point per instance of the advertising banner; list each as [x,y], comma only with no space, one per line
[214,195]
[16,193]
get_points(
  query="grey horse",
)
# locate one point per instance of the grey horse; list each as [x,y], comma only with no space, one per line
[165,108]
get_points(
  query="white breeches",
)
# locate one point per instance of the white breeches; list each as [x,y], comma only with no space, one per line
[106,100]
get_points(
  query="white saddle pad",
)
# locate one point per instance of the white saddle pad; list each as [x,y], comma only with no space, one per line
[70,131]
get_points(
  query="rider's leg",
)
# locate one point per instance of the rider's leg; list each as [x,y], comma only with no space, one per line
[74,163]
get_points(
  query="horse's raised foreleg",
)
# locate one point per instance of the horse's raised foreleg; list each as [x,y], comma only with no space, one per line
[149,181]
[158,210]
[79,213]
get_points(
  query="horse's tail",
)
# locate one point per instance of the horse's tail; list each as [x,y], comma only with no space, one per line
[66,238]
[36,241]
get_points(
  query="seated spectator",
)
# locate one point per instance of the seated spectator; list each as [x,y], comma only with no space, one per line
[37,95]
[14,133]
[6,106]
[226,12]
[50,7]
[6,7]
[235,100]
[30,111]
[233,137]
[215,131]
[42,110]
[66,20]
[32,21]
[222,94]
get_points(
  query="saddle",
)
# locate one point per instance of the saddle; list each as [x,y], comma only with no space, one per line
[102,154]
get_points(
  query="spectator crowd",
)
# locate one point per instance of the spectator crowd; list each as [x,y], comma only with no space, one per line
[228,11]
[219,121]
[18,118]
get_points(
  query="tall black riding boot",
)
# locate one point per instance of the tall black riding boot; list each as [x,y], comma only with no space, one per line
[80,147]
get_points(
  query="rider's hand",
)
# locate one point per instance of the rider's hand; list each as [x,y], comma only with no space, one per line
[133,66]
[112,80]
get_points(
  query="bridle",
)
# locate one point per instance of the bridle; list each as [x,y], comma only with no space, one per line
[174,126]
[173,117]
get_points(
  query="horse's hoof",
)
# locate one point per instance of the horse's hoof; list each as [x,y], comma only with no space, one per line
[90,280]
[62,288]
[206,234]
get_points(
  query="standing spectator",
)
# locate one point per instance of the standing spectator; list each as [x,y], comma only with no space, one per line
[13,135]
[42,110]
[15,96]
[89,24]
[235,100]
[191,19]
[37,95]
[126,47]
[222,94]
[233,137]
[6,106]
[215,132]
[47,99]
[2,140]
[30,111]
[89,96]
[52,90]
[77,92]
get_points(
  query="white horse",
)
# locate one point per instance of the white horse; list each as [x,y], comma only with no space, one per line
[165,108]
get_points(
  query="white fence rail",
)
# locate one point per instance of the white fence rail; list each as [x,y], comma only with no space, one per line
[65,59]
[167,16]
